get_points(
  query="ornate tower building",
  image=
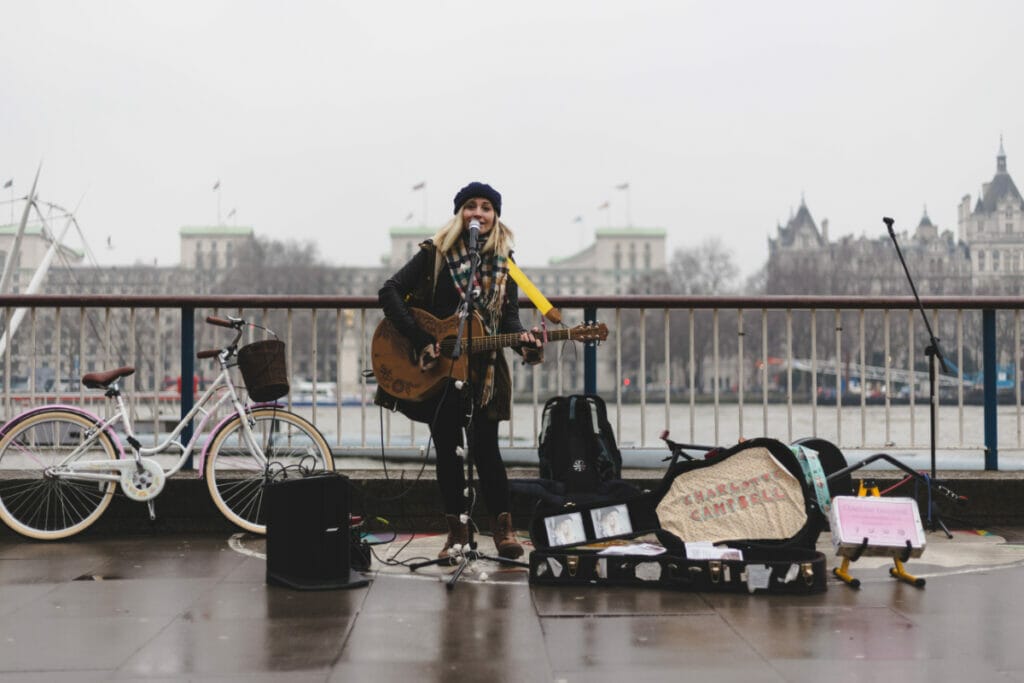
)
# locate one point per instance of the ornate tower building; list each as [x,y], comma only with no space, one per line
[994,232]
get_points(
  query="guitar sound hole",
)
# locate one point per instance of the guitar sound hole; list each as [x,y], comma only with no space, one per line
[447,346]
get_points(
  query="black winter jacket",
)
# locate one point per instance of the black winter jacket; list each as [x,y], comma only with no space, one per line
[413,285]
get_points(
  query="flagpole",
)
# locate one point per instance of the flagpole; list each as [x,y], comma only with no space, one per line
[421,187]
[629,216]
[216,188]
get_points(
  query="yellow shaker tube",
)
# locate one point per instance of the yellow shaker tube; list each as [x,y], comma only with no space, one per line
[531,291]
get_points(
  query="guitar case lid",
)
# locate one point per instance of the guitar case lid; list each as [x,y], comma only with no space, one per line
[753,493]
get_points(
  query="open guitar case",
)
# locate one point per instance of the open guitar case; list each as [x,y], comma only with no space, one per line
[753,498]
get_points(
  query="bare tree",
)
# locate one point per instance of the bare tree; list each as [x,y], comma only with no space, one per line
[706,269]
[266,266]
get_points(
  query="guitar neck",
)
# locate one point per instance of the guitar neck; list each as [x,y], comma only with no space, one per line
[500,341]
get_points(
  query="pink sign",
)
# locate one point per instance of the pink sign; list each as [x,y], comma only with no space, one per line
[886,523]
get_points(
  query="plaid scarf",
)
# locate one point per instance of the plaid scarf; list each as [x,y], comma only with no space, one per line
[491,278]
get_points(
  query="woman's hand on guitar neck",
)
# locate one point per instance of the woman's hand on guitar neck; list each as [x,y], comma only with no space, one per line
[428,356]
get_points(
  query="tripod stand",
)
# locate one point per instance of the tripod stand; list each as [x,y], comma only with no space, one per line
[468,553]
[934,356]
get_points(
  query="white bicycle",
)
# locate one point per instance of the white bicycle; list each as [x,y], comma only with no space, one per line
[60,465]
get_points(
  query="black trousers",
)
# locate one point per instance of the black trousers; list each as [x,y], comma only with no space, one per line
[446,416]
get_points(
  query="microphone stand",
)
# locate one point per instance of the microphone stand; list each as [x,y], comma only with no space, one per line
[934,356]
[465,313]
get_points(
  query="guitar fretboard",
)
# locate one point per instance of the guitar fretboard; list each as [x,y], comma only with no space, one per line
[500,341]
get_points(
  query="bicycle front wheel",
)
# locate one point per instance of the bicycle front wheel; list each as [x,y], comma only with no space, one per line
[236,476]
[35,500]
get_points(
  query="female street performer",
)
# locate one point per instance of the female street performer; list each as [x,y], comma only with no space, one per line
[496,300]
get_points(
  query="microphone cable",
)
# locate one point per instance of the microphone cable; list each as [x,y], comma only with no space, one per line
[400,497]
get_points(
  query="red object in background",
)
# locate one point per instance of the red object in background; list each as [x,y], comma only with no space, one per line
[195,385]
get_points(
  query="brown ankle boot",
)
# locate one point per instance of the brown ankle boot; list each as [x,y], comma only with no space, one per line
[458,533]
[505,537]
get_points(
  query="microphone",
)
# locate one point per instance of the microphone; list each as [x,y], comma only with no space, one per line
[888,223]
[474,233]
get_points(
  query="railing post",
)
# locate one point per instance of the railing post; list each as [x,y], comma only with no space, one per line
[988,346]
[188,370]
[590,355]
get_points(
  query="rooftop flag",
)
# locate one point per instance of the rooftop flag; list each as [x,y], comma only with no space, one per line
[419,186]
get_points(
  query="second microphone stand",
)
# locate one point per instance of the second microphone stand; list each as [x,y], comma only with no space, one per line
[934,356]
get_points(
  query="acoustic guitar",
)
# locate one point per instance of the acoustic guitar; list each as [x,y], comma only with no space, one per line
[395,361]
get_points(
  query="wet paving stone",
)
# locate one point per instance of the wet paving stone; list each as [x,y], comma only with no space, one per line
[181,607]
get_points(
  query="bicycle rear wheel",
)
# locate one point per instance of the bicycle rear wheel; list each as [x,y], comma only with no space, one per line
[34,502]
[236,477]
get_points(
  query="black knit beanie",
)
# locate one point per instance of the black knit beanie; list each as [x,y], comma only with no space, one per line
[478,190]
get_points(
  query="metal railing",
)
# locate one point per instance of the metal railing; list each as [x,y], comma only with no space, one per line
[848,369]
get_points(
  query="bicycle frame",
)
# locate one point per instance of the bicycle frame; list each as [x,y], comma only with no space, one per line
[56,494]
[69,468]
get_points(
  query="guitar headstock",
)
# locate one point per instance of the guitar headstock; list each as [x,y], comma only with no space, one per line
[589,332]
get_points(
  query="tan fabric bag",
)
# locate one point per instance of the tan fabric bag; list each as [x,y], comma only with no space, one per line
[748,495]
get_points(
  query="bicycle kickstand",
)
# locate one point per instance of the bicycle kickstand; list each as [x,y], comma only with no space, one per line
[151,504]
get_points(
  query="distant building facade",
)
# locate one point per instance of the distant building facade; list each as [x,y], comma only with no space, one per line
[620,261]
[802,260]
[213,247]
[994,229]
[987,258]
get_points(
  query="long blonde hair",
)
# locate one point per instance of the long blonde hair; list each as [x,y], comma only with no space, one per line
[499,239]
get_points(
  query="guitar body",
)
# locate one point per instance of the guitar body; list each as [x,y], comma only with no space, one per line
[394,359]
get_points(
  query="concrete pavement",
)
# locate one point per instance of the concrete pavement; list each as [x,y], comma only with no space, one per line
[196,607]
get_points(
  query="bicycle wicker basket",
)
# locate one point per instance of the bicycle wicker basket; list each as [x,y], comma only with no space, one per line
[263,369]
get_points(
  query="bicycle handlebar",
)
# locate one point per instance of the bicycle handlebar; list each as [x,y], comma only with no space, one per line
[231,323]
[221,322]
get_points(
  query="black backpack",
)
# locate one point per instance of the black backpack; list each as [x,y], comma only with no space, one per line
[577,445]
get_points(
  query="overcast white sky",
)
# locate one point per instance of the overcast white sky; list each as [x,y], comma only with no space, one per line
[319,117]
